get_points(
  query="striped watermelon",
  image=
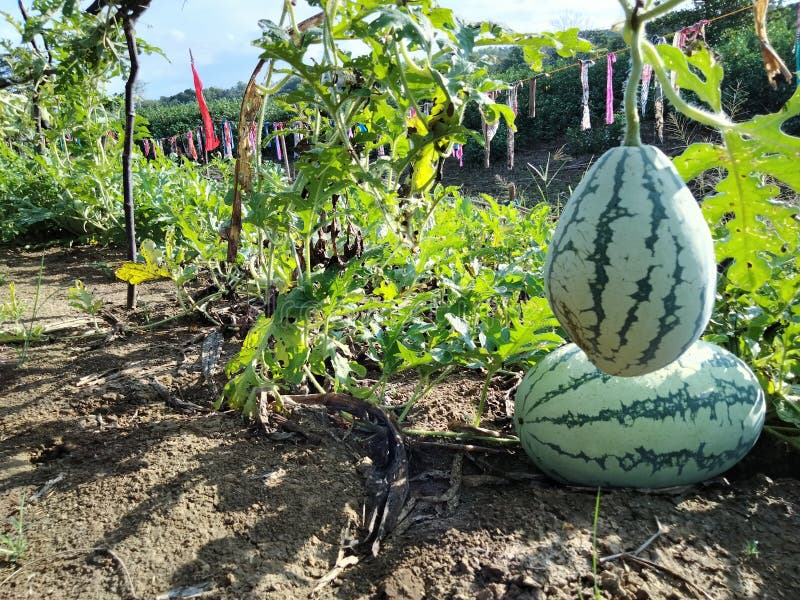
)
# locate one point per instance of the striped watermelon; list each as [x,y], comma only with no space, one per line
[679,425]
[630,272]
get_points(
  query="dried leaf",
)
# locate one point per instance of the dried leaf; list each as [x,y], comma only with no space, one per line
[773,63]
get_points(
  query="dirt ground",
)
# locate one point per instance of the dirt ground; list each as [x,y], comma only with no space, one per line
[133,489]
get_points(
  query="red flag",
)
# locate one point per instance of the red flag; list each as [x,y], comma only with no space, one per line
[211,137]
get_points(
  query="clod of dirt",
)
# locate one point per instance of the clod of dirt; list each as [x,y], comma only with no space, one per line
[402,585]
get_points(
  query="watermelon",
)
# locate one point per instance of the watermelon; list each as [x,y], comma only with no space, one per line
[630,272]
[687,422]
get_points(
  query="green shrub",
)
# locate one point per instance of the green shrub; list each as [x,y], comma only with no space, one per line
[596,140]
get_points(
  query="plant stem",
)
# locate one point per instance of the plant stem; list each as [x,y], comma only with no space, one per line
[482,401]
[635,28]
[313,380]
[659,10]
[423,387]
[507,441]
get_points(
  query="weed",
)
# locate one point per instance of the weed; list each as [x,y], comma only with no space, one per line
[12,309]
[751,549]
[684,131]
[14,545]
[543,178]
[83,300]
[594,544]
[147,315]
[32,332]
[734,99]
[106,268]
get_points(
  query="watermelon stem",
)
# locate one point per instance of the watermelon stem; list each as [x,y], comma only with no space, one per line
[636,16]
[660,10]
[457,435]
[634,31]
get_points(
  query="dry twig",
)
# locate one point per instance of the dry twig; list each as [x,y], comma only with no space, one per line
[661,530]
[343,561]
[634,557]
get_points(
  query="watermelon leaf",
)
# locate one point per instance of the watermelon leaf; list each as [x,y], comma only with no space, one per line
[153,267]
[136,273]
[756,225]
[707,87]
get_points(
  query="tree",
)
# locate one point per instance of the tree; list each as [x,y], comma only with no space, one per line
[568,19]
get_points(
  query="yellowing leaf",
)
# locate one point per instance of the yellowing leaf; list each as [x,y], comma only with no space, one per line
[135,273]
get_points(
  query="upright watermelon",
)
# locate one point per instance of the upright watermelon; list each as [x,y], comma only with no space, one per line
[630,272]
[679,425]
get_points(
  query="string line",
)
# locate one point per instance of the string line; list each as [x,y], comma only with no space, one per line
[622,50]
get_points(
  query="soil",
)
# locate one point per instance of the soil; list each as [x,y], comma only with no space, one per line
[135,487]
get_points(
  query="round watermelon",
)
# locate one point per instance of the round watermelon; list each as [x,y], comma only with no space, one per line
[687,422]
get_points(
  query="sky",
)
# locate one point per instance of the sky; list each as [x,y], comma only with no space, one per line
[220,33]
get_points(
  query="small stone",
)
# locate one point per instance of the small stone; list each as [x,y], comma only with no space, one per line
[364,466]
[642,594]
[491,573]
[526,581]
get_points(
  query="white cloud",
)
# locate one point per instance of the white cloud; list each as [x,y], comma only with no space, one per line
[7,32]
[530,17]
[220,34]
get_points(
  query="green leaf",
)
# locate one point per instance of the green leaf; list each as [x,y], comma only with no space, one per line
[788,410]
[757,226]
[699,158]
[410,358]
[462,328]
[689,69]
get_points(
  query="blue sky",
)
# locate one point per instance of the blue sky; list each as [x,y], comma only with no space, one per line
[220,32]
